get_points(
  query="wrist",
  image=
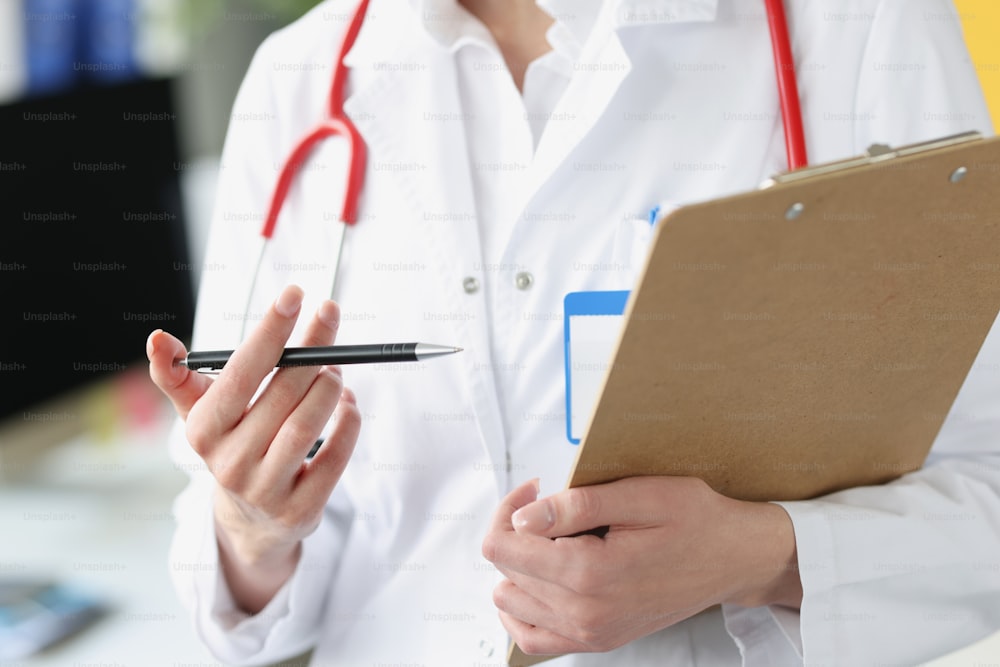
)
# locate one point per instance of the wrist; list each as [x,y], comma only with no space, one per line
[247,543]
[254,585]
[249,552]
[768,567]
[254,574]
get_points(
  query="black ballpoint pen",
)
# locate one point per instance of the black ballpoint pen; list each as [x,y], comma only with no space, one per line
[328,355]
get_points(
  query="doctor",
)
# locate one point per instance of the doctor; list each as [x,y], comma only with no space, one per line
[514,153]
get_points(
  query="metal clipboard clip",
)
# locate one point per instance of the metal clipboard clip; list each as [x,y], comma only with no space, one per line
[875,154]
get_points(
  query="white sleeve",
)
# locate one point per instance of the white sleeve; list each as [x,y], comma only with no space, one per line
[290,623]
[908,571]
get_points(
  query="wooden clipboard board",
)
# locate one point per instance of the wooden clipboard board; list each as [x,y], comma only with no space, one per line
[809,336]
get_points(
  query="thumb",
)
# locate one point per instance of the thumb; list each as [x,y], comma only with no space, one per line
[583,509]
[182,386]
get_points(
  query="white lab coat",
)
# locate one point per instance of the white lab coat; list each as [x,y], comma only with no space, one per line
[672,101]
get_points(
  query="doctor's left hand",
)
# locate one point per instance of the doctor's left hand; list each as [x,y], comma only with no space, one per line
[674,548]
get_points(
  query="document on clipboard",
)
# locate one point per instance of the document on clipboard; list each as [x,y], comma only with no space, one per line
[590,321]
[806,337]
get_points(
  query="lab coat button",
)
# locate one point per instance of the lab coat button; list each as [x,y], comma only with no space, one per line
[470,285]
[524,280]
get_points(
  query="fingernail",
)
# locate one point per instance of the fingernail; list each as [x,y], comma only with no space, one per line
[534,518]
[348,395]
[329,314]
[289,302]
[151,343]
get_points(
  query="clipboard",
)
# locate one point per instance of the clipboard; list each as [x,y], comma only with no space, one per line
[806,337]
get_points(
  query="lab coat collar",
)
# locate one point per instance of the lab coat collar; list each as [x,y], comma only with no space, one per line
[634,13]
[574,19]
[579,16]
[391,26]
[602,65]
[448,24]
[384,26]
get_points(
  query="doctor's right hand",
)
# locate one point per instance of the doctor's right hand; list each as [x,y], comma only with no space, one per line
[268,497]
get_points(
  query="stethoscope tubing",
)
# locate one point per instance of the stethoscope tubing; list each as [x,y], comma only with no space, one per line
[788,89]
[336,123]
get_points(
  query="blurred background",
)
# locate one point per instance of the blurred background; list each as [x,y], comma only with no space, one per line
[114,114]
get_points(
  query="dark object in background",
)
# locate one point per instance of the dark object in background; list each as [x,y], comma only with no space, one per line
[94,253]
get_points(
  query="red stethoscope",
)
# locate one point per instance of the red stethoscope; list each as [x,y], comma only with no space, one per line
[337,123]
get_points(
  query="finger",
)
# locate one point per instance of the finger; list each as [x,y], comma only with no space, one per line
[577,564]
[633,502]
[538,641]
[232,391]
[324,470]
[500,525]
[519,497]
[557,561]
[286,454]
[182,386]
[553,594]
[533,608]
[288,387]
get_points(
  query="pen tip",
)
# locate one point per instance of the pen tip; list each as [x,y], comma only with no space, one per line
[427,351]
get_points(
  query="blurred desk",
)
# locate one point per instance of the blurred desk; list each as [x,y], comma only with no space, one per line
[96,515]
